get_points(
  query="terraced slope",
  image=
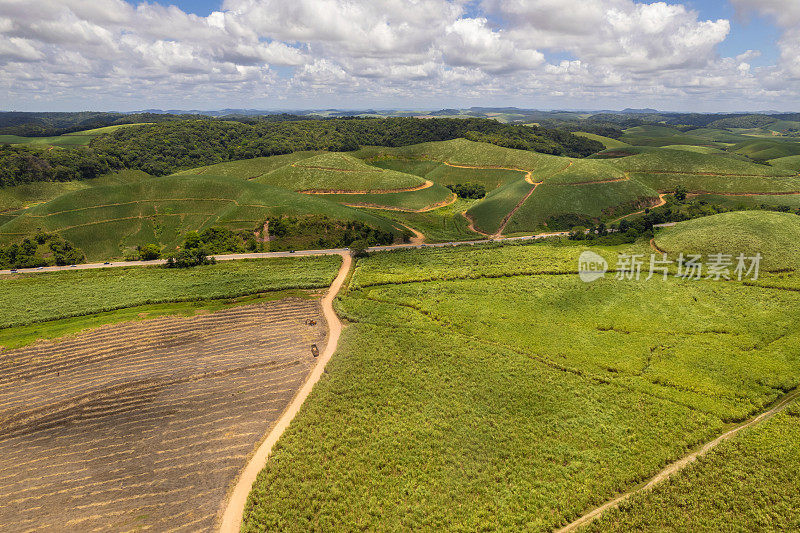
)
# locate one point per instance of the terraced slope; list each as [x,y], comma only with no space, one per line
[103,221]
[145,425]
[667,169]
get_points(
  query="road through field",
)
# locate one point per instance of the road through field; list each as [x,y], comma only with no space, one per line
[232,515]
[680,464]
[272,255]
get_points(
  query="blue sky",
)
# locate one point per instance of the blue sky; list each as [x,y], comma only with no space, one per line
[274,54]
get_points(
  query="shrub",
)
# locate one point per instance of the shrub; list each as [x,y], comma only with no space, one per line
[148,252]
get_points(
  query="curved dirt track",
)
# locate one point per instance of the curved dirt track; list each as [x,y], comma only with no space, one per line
[528,173]
[234,509]
[427,185]
[144,425]
[680,464]
[444,203]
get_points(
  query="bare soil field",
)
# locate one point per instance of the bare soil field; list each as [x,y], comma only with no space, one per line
[145,425]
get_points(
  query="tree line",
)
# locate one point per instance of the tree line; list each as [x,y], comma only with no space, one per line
[163,148]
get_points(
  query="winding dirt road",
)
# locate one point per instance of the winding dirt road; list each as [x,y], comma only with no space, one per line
[234,509]
[680,464]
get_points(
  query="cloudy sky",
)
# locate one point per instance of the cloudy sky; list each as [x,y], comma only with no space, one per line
[694,55]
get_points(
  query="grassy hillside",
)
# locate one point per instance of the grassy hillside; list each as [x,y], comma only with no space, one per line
[490,212]
[652,135]
[18,197]
[338,172]
[766,149]
[774,235]
[103,221]
[441,225]
[247,169]
[68,140]
[423,199]
[554,207]
[608,142]
[666,169]
[791,162]
[696,149]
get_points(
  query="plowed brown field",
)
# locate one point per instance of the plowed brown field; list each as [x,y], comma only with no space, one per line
[144,425]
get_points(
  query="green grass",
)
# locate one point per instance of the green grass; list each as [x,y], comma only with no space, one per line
[526,400]
[774,235]
[63,141]
[16,337]
[68,140]
[412,200]
[334,171]
[247,169]
[598,202]
[489,213]
[708,150]
[30,298]
[651,135]
[107,129]
[767,149]
[607,141]
[791,162]
[18,197]
[746,484]
[580,171]
[104,221]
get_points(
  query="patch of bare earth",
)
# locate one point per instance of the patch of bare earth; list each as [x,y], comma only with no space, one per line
[145,425]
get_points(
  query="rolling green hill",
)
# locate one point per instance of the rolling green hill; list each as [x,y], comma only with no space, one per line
[558,207]
[766,149]
[774,235]
[791,162]
[247,169]
[338,172]
[608,142]
[68,140]
[104,221]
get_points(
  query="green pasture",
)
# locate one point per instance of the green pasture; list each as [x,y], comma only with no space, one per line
[598,202]
[527,398]
[746,484]
[607,141]
[247,169]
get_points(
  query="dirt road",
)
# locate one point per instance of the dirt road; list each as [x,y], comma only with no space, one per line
[680,464]
[232,515]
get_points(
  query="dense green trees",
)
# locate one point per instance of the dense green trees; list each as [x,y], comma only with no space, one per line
[473,191]
[22,165]
[166,147]
[43,249]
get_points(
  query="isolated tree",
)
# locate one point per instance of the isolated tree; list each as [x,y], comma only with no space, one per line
[359,248]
